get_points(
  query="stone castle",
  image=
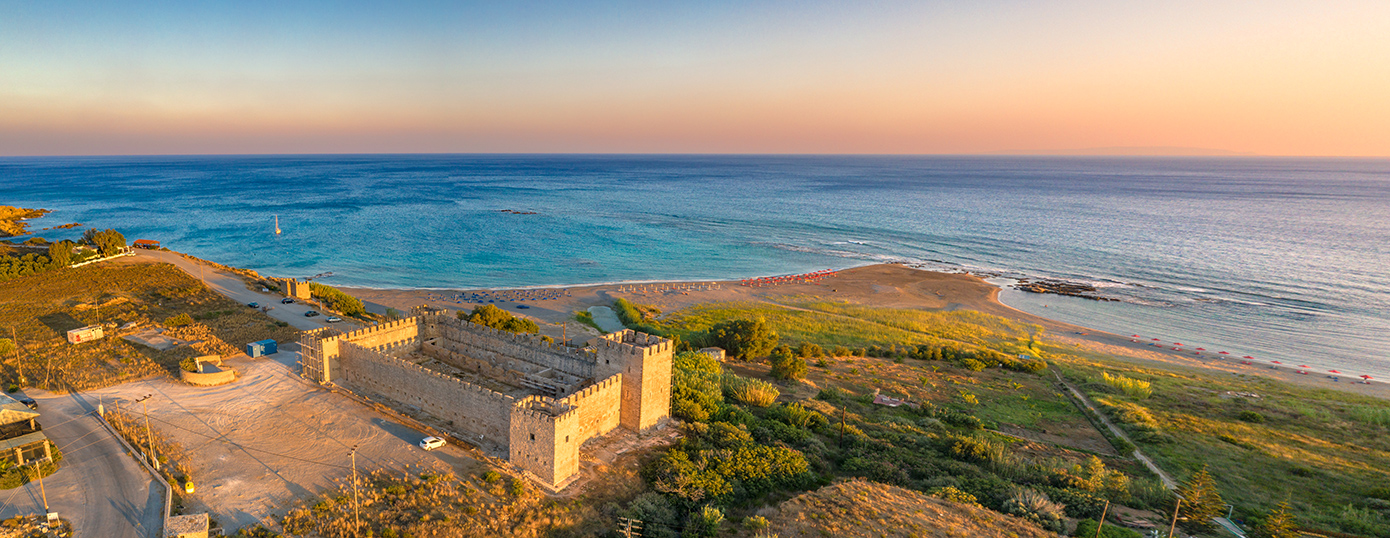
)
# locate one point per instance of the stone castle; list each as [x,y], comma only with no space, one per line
[533,400]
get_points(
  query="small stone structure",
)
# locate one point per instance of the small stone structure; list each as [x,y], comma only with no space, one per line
[293,287]
[716,353]
[211,372]
[531,399]
[187,526]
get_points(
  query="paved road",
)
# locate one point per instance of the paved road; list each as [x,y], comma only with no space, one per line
[233,287]
[98,487]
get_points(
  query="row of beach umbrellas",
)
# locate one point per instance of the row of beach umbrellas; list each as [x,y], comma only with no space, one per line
[789,279]
[1247,359]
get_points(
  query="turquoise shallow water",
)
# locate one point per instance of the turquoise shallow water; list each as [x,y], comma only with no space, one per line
[1285,259]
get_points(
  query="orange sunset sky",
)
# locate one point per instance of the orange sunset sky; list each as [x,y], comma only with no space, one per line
[1266,77]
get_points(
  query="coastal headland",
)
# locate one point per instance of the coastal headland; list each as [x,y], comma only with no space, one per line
[880,285]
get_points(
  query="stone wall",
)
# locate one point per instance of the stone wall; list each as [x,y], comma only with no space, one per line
[596,410]
[533,445]
[209,379]
[645,362]
[493,345]
[479,414]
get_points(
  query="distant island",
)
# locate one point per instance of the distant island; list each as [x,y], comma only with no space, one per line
[1133,151]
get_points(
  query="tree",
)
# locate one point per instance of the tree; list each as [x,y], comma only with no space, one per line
[744,339]
[490,316]
[109,242]
[61,253]
[1279,524]
[787,365]
[1201,501]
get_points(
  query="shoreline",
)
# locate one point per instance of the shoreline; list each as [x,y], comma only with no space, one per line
[878,285]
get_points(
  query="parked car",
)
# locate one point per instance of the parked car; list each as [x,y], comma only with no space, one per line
[287,300]
[254,305]
[333,319]
[29,402]
[310,314]
[431,443]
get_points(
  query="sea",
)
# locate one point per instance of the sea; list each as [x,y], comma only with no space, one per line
[1279,259]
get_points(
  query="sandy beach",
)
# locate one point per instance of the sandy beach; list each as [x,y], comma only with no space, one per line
[883,285]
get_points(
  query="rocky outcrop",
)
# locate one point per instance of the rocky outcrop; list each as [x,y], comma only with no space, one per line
[1062,288]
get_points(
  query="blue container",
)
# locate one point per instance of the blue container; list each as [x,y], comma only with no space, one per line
[263,347]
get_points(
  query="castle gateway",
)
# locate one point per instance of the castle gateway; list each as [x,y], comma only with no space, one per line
[536,401]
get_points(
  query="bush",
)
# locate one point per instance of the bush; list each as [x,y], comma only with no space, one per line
[1133,388]
[753,392]
[950,493]
[1087,529]
[189,365]
[696,386]
[704,523]
[808,351]
[179,320]
[492,477]
[972,365]
[744,339]
[788,366]
[491,316]
[1034,506]
[337,300]
[840,351]
[1251,417]
[977,450]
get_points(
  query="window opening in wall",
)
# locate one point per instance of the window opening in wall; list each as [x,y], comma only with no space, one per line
[533,437]
[567,438]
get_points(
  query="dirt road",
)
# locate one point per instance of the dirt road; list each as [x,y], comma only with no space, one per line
[98,487]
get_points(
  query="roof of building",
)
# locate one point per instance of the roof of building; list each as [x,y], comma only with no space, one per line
[11,411]
[23,440]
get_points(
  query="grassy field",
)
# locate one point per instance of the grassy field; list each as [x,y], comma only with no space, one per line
[835,323]
[42,308]
[1325,451]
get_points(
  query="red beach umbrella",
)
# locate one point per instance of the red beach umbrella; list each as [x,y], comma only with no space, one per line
[1156,340]
[1304,366]
[1276,362]
[1201,349]
[1334,371]
[1366,377]
[1247,357]
[1224,352]
[1134,336]
[1177,343]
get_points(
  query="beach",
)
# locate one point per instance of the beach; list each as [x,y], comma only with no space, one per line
[880,285]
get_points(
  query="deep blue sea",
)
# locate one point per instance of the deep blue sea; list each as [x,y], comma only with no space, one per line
[1281,259]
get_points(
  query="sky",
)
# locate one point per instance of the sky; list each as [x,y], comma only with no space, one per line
[1265,77]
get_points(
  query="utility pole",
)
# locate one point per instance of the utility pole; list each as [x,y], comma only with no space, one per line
[630,528]
[356,515]
[154,459]
[15,351]
[1174,525]
[1101,523]
[842,425]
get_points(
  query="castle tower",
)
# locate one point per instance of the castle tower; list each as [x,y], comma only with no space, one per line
[645,362]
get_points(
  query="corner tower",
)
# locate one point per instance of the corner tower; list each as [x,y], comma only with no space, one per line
[645,362]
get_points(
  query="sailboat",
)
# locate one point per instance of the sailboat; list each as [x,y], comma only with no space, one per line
[277,224]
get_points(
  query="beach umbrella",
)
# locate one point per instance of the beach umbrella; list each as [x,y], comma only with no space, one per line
[1201,349]
[1304,366]
[1334,371]
[1247,357]
[1156,340]
[1134,336]
[1177,343]
[1366,377]
[1224,352]
[1276,362]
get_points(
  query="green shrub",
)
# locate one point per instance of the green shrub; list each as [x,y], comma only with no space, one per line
[950,493]
[976,450]
[972,365]
[1087,529]
[696,386]
[840,351]
[755,392]
[1034,506]
[490,316]
[189,365]
[518,487]
[808,350]
[492,477]
[179,320]
[337,300]
[788,366]
[1251,417]
[743,339]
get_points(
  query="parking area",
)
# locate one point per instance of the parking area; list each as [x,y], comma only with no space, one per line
[258,445]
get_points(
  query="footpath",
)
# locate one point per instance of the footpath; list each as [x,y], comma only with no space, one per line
[1163,477]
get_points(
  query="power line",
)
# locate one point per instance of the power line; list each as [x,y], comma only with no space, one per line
[224,439]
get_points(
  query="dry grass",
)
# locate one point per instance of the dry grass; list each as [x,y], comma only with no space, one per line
[859,508]
[42,308]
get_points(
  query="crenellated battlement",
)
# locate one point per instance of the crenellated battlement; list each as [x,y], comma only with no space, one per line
[554,404]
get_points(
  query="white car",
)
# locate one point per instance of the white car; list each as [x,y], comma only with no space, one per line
[333,319]
[431,443]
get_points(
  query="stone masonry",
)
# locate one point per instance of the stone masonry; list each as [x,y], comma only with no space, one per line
[514,393]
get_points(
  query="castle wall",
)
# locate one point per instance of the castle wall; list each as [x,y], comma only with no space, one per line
[536,444]
[645,362]
[496,346]
[596,410]
[473,411]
